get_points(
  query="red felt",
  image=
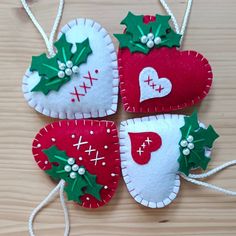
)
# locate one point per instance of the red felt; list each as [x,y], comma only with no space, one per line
[142,144]
[189,72]
[101,135]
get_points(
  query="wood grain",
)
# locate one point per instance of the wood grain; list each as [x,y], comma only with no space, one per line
[197,211]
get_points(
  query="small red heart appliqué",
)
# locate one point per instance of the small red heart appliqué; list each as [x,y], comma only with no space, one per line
[143,144]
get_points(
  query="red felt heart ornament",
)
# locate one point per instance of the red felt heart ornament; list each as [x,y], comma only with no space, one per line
[188,75]
[92,146]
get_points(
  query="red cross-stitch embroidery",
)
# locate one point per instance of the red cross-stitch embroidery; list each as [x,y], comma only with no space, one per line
[82,89]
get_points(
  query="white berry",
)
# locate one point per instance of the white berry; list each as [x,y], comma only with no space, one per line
[81,171]
[183,143]
[68,72]
[75,167]
[190,138]
[61,74]
[150,44]
[71,161]
[73,175]
[69,64]
[150,36]
[157,40]
[144,39]
[67,168]
[62,66]
[75,69]
[191,146]
[186,151]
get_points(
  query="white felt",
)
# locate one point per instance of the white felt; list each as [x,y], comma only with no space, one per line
[101,98]
[155,184]
[150,83]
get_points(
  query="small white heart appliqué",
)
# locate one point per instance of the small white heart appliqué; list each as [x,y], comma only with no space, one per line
[151,86]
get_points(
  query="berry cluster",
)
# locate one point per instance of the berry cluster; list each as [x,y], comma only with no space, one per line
[67,69]
[150,40]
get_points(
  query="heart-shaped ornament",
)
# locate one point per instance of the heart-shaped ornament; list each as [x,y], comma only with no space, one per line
[178,144]
[85,154]
[154,75]
[84,67]
[151,86]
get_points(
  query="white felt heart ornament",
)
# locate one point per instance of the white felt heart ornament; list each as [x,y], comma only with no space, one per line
[155,150]
[151,86]
[92,87]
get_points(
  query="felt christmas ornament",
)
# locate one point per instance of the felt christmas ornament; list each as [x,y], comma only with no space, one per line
[83,156]
[81,66]
[156,76]
[157,150]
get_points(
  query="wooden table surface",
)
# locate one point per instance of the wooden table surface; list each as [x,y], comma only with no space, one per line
[197,211]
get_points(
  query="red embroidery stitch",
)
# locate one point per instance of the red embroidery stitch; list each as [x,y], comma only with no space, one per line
[85,87]
[90,78]
[77,93]
[153,85]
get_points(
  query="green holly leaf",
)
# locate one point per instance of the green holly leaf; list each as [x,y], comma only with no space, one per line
[45,66]
[93,188]
[160,26]
[184,165]
[192,154]
[46,85]
[191,124]
[75,187]
[136,29]
[135,26]
[126,41]
[63,49]
[48,68]
[83,50]
[171,39]
[58,159]
[211,136]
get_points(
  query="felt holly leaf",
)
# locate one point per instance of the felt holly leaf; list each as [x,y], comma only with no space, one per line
[83,50]
[191,124]
[184,165]
[45,66]
[78,181]
[75,189]
[160,26]
[171,39]
[143,37]
[127,42]
[59,69]
[63,49]
[93,188]
[46,85]
[135,26]
[193,144]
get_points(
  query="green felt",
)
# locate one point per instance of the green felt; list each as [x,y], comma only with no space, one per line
[48,68]
[203,138]
[75,188]
[136,28]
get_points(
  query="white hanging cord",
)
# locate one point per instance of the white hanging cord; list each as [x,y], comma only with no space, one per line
[173,18]
[48,42]
[192,178]
[59,188]
[65,210]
